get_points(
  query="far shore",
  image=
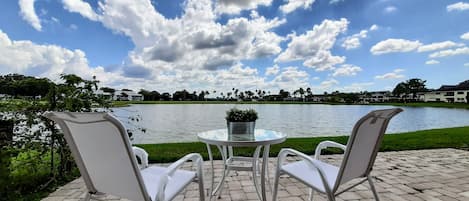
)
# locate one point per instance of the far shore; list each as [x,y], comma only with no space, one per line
[413,104]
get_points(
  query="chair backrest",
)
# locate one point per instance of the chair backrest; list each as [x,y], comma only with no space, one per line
[363,145]
[102,151]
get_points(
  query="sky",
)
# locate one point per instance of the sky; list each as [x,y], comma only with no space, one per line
[325,45]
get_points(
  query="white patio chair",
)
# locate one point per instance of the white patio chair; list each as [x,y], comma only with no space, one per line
[357,162]
[107,162]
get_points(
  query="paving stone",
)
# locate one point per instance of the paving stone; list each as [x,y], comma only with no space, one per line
[430,175]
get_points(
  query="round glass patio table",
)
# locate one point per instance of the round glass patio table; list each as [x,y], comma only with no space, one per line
[261,139]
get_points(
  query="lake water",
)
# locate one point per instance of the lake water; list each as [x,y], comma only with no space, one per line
[181,122]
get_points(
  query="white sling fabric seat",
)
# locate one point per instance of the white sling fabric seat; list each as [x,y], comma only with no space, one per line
[107,162]
[360,154]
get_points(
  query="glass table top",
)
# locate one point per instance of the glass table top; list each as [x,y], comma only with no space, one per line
[259,137]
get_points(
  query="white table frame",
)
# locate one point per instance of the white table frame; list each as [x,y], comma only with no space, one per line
[226,150]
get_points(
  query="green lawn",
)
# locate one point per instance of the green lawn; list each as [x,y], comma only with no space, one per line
[425,139]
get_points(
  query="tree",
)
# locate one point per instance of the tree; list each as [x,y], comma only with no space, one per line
[309,92]
[149,96]
[108,90]
[38,140]
[411,86]
[400,89]
[283,94]
[302,93]
[71,79]
[202,95]
[416,85]
[166,96]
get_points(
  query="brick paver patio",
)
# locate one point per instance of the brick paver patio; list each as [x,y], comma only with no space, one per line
[438,174]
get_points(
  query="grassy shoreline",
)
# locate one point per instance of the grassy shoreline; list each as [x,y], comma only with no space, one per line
[418,104]
[457,137]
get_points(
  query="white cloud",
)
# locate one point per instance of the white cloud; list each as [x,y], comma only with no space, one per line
[451,52]
[26,57]
[347,70]
[460,6]
[73,27]
[191,51]
[290,78]
[314,46]
[329,83]
[291,73]
[392,75]
[355,87]
[193,41]
[390,9]
[335,1]
[465,36]
[272,70]
[55,20]
[394,45]
[438,46]
[353,41]
[235,7]
[81,7]
[466,64]
[29,14]
[431,62]
[292,5]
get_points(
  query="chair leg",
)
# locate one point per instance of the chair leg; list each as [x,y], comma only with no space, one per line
[274,192]
[372,186]
[310,196]
[87,197]
[330,196]
[201,188]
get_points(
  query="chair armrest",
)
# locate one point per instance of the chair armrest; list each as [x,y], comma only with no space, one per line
[311,163]
[143,155]
[194,157]
[325,144]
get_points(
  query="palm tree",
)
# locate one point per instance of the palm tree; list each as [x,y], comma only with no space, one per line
[302,92]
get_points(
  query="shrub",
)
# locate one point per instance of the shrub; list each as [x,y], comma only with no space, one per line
[237,115]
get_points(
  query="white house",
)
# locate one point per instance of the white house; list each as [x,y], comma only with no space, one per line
[375,96]
[106,95]
[449,93]
[127,96]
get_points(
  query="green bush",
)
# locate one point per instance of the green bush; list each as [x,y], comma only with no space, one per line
[237,115]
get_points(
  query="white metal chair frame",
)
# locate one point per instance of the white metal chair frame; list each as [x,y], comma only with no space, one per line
[132,153]
[332,191]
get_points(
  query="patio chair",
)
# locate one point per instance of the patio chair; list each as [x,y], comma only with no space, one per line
[357,162]
[107,162]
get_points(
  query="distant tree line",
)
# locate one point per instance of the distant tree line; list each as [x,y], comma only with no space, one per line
[18,85]
[26,86]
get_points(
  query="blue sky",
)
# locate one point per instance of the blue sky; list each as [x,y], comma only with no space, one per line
[326,45]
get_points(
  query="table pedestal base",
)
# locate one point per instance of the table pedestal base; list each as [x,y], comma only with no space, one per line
[231,162]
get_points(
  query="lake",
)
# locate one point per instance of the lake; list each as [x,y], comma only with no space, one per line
[181,122]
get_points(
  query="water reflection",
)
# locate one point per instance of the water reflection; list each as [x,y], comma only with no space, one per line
[182,122]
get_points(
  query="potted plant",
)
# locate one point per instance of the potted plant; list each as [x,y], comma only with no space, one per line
[241,121]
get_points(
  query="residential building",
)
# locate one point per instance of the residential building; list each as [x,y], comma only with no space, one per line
[101,93]
[375,96]
[449,93]
[127,95]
